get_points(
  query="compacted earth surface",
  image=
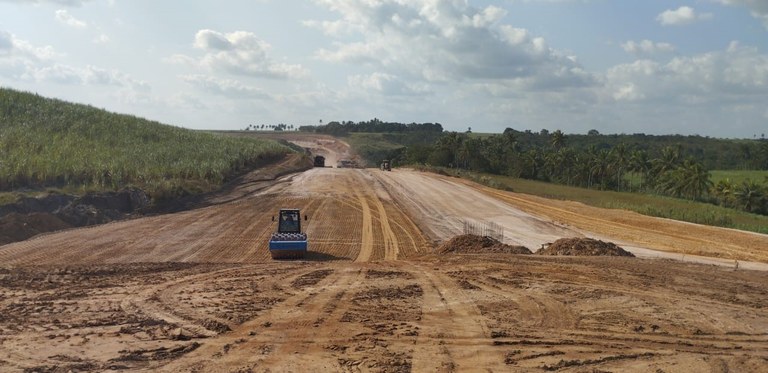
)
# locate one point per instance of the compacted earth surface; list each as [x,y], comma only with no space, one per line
[385,286]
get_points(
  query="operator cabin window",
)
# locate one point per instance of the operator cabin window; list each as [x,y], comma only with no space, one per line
[289,222]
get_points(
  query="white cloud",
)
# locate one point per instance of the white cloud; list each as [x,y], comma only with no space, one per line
[225,87]
[628,92]
[22,50]
[387,84]
[18,56]
[54,73]
[758,8]
[21,60]
[682,16]
[239,53]
[65,18]
[88,76]
[101,39]
[443,41]
[647,47]
[737,75]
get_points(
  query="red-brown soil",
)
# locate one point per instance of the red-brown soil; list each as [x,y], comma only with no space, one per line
[583,247]
[468,243]
[196,291]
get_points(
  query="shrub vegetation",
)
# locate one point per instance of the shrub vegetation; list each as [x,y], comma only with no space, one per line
[51,143]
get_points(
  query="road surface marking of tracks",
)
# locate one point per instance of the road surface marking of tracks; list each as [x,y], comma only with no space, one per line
[282,336]
[450,317]
[366,246]
[390,239]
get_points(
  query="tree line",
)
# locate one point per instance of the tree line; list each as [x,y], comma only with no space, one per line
[374,125]
[673,170]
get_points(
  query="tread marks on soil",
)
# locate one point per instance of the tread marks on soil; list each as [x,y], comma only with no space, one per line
[366,244]
[391,247]
[454,320]
[302,327]
[273,338]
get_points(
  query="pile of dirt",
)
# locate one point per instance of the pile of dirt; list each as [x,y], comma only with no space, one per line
[18,227]
[29,216]
[583,247]
[473,244]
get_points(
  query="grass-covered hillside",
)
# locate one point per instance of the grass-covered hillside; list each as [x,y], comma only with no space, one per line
[51,143]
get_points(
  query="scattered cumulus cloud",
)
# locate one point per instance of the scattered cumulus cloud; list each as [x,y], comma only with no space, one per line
[442,42]
[65,18]
[737,74]
[681,16]
[238,53]
[23,51]
[21,60]
[225,87]
[453,61]
[386,84]
[647,47]
[628,92]
[90,75]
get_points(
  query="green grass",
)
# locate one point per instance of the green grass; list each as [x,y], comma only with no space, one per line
[51,143]
[8,198]
[652,205]
[738,176]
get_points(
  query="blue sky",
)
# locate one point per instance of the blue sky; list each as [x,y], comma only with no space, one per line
[618,66]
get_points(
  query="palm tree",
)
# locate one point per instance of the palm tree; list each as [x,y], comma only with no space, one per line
[620,158]
[750,196]
[694,180]
[638,162]
[689,180]
[724,192]
[599,168]
[531,160]
[567,167]
[669,160]
[558,139]
[553,161]
[510,140]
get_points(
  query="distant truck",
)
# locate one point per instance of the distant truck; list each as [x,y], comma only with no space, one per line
[289,242]
[319,161]
[386,165]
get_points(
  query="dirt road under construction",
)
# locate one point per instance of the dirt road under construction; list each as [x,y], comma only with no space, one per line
[197,291]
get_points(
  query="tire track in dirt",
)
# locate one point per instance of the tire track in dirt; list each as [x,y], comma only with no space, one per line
[150,302]
[366,245]
[454,335]
[308,331]
[537,309]
[281,337]
[391,247]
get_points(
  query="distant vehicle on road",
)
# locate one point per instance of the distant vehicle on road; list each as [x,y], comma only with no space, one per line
[319,161]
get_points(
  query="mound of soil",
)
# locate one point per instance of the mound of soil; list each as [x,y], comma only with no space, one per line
[583,247]
[473,244]
[29,216]
[18,227]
